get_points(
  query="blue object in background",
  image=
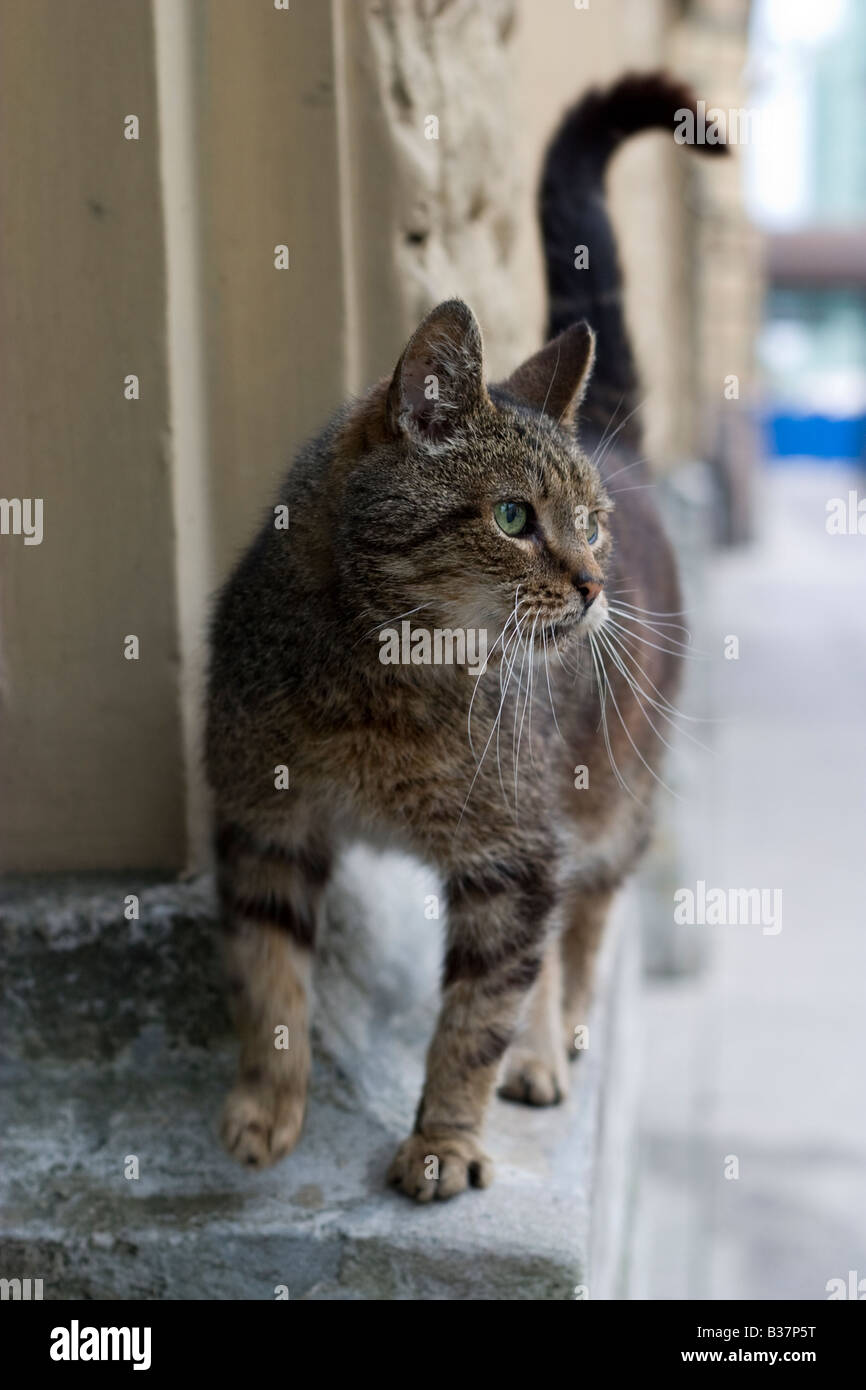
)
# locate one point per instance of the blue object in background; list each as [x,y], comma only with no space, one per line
[816,436]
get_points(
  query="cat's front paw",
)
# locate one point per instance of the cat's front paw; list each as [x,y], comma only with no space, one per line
[261,1123]
[439,1165]
[533,1079]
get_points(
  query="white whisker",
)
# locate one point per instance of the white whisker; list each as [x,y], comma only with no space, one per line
[669,714]
[389,622]
[627,733]
[527,700]
[685,649]
[623,642]
[484,753]
[500,638]
[549,691]
[601,678]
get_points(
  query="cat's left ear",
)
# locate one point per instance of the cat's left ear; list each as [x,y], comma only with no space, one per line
[440,376]
[554,380]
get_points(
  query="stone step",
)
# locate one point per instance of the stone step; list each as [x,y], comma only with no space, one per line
[116,1047]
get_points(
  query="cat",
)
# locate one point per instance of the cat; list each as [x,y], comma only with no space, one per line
[452,504]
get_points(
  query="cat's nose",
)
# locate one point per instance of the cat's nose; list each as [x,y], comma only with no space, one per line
[588,588]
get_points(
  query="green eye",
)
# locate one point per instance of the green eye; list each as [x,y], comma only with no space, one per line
[511,517]
[592,528]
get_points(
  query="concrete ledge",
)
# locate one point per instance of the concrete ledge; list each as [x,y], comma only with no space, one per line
[116,1044]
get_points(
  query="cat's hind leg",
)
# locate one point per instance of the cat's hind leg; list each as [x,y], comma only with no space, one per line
[579,947]
[534,1070]
[271,893]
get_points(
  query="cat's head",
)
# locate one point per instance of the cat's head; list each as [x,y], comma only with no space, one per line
[472,505]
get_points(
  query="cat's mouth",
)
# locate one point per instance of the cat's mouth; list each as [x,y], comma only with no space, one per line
[563,626]
[581,620]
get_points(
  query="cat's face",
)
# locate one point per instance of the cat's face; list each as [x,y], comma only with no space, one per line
[476,508]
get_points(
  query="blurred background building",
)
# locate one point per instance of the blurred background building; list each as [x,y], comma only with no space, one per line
[806,186]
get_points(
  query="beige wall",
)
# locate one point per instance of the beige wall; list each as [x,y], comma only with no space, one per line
[89,742]
[261,127]
[277,340]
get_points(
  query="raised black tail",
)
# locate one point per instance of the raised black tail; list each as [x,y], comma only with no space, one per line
[574,214]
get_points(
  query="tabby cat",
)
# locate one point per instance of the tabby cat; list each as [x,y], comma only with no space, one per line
[518,511]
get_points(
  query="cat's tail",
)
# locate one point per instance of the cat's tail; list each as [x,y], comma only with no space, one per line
[583,273]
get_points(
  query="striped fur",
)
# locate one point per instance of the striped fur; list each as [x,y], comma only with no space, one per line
[271,897]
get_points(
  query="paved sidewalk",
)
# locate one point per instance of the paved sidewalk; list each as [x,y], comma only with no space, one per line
[762,1057]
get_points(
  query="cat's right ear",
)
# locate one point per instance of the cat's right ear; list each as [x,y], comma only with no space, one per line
[440,376]
[553,380]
